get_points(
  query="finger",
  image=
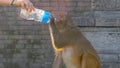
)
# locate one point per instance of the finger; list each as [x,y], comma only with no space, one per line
[31,7]
[22,5]
[25,5]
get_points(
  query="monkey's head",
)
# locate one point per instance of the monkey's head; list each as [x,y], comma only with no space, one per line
[63,21]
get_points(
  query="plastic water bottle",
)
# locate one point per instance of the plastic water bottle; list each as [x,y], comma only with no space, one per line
[38,15]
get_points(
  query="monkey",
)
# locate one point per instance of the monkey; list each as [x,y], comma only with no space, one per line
[70,45]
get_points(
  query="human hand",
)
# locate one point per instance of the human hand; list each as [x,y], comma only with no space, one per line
[25,4]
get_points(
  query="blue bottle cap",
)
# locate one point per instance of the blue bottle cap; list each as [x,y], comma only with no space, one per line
[46,17]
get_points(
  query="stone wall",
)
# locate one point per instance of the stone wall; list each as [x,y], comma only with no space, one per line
[27,44]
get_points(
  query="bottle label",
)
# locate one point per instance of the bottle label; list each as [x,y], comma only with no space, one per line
[39,14]
[43,16]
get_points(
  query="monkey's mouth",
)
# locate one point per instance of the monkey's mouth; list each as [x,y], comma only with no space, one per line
[58,19]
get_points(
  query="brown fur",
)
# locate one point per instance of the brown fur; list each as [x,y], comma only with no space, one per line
[70,46]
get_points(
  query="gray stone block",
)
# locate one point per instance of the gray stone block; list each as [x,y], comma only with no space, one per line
[119,58]
[111,58]
[105,4]
[36,65]
[99,29]
[110,65]
[2,46]
[2,60]
[104,41]
[84,19]
[107,18]
[1,65]
[20,46]
[117,4]
[20,55]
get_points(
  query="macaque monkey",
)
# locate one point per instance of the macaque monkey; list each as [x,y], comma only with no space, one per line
[70,46]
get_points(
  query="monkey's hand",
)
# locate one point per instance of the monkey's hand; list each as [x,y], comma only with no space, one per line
[52,20]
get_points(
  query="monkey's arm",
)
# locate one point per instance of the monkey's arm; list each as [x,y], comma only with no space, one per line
[55,35]
[53,28]
[58,60]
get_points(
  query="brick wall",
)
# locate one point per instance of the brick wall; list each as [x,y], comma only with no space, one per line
[27,44]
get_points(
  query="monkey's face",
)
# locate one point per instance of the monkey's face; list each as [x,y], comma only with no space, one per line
[63,22]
